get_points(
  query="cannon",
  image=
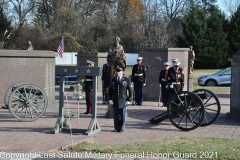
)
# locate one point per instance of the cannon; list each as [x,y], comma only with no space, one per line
[25,101]
[28,102]
[189,110]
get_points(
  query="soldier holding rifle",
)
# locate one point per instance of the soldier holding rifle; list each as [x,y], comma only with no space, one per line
[163,82]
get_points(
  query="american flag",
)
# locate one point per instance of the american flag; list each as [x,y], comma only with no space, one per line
[60,49]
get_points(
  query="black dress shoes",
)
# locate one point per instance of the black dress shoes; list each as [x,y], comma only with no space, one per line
[114,131]
[120,131]
[86,113]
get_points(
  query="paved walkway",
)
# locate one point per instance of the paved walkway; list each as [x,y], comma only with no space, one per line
[16,136]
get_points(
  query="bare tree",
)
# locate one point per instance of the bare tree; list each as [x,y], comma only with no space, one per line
[162,21]
[172,9]
[22,8]
[231,6]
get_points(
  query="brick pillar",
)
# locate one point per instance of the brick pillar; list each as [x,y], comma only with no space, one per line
[235,87]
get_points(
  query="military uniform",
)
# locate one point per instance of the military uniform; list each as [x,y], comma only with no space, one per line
[106,80]
[175,79]
[163,81]
[118,95]
[139,80]
[88,91]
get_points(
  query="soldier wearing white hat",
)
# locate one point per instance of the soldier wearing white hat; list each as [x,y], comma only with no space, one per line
[163,81]
[175,78]
[139,80]
[88,89]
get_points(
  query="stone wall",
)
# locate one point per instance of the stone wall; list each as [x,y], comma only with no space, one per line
[153,59]
[36,67]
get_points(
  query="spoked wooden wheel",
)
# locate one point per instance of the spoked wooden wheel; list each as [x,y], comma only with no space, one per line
[10,90]
[27,102]
[186,111]
[211,104]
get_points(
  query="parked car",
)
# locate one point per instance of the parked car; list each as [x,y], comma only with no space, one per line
[68,80]
[222,77]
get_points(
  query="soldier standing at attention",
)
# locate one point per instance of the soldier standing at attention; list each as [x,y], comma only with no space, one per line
[106,80]
[175,78]
[163,82]
[119,98]
[138,80]
[88,89]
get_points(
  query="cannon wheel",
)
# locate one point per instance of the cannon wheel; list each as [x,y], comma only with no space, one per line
[27,102]
[10,89]
[186,110]
[212,106]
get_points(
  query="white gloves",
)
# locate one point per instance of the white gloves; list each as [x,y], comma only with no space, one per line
[82,80]
[132,83]
[144,84]
[163,79]
[127,103]
[110,102]
[171,86]
[160,85]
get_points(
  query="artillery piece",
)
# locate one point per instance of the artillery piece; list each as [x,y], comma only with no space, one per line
[28,102]
[189,110]
[25,101]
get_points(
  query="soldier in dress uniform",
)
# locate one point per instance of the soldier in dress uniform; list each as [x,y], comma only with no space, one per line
[138,80]
[119,96]
[88,87]
[106,80]
[175,78]
[163,82]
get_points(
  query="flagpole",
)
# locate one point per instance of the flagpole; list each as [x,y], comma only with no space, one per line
[63,45]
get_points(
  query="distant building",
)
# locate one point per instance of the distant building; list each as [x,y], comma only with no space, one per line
[131,58]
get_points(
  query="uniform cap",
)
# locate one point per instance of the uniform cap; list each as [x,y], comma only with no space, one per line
[139,58]
[90,62]
[119,68]
[176,64]
[174,60]
[166,64]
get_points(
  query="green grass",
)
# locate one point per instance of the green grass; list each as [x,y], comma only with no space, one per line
[215,89]
[202,148]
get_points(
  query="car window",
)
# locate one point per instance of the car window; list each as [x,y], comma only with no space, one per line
[227,72]
[72,78]
[221,72]
[218,72]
